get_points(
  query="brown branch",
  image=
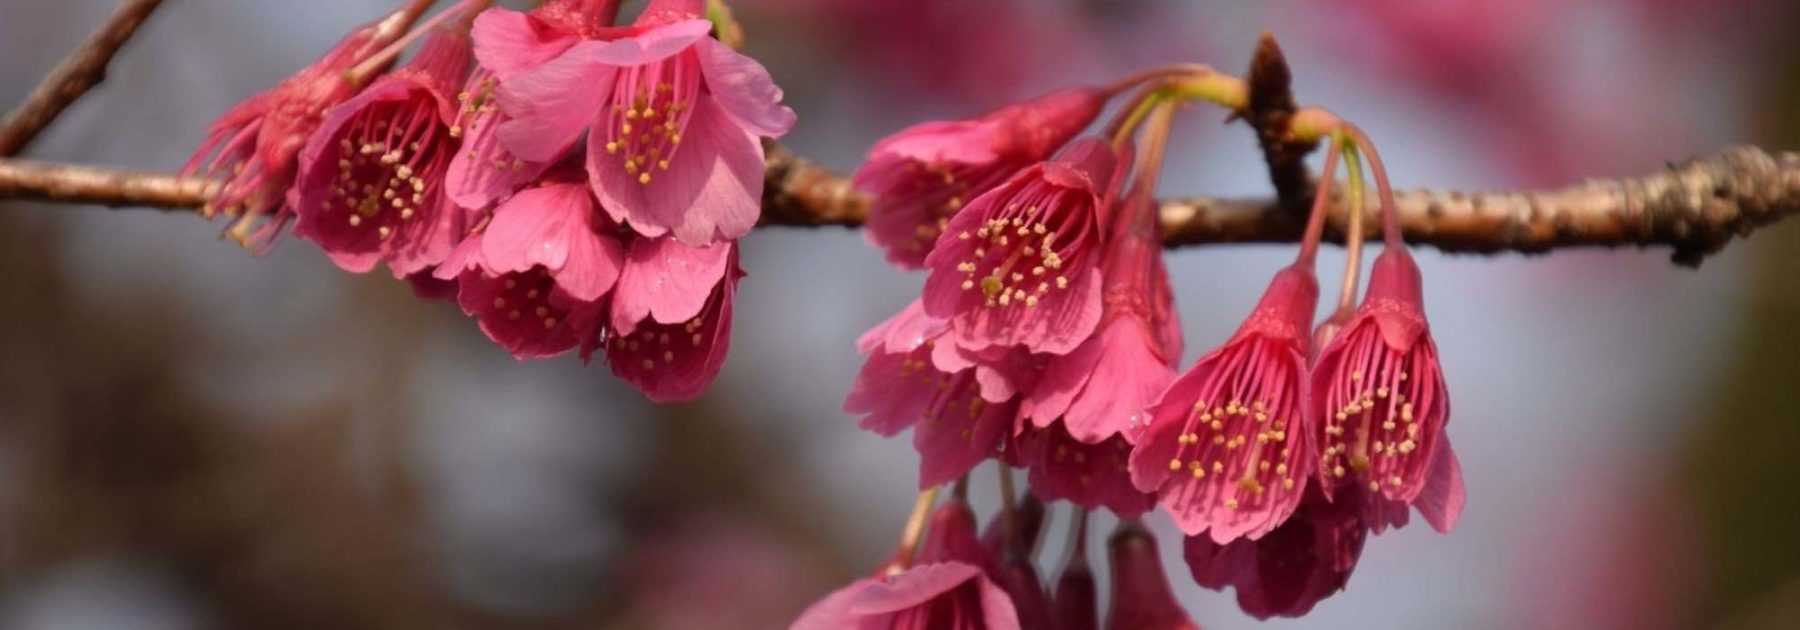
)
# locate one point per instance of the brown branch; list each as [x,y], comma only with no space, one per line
[1695,207]
[80,71]
[1270,109]
[69,183]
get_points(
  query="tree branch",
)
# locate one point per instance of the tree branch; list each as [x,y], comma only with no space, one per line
[81,70]
[1695,208]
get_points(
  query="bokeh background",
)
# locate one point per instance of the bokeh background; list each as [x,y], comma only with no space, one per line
[194,438]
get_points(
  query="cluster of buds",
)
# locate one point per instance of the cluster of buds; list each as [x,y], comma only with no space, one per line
[572,184]
[1046,338]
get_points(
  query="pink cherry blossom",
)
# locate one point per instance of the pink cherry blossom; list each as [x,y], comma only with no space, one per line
[676,352]
[554,227]
[922,175]
[508,43]
[255,146]
[673,119]
[370,185]
[1227,449]
[1141,598]
[1092,476]
[1102,388]
[1381,404]
[951,589]
[959,403]
[1021,265]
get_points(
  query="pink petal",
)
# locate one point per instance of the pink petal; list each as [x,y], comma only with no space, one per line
[904,332]
[1441,503]
[551,105]
[508,42]
[889,396]
[1064,378]
[428,239]
[913,588]
[833,612]
[541,226]
[711,191]
[666,281]
[650,46]
[676,362]
[593,265]
[1125,383]
[945,451]
[744,90]
[968,142]
[997,609]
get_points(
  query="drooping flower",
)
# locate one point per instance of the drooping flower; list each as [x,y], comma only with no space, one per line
[1101,389]
[1021,265]
[1092,476]
[949,590]
[555,227]
[673,119]
[1141,598]
[1380,402]
[536,273]
[921,176]
[1284,574]
[1022,536]
[1227,449]
[508,43]
[672,317]
[960,403]
[255,146]
[371,179]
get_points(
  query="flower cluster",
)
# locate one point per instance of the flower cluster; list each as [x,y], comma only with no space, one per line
[570,183]
[1046,338]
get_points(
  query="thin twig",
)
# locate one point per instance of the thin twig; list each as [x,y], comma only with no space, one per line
[80,71]
[1695,207]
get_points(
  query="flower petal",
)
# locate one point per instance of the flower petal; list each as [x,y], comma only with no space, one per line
[744,90]
[508,42]
[666,281]
[551,105]
[539,227]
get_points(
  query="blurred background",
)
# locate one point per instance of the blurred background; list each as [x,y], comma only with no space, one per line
[194,438]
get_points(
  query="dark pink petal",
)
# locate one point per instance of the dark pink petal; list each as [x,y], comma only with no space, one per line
[1093,476]
[1141,598]
[892,392]
[526,314]
[666,281]
[1441,503]
[959,432]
